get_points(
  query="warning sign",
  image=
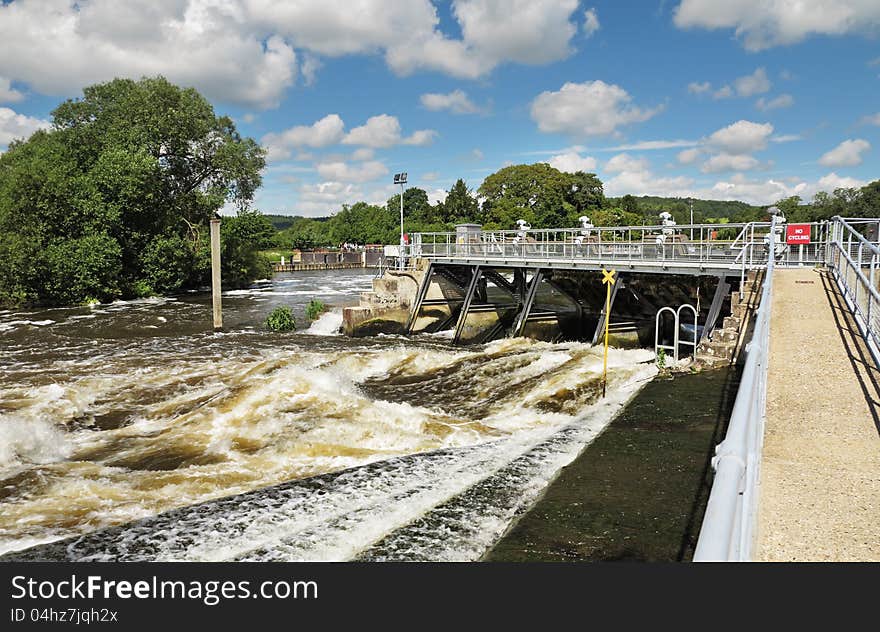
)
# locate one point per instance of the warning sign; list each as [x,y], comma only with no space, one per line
[797,234]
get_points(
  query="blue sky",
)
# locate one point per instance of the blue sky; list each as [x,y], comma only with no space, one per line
[748,99]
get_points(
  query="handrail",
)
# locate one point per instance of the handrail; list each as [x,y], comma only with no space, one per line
[860,292]
[728,529]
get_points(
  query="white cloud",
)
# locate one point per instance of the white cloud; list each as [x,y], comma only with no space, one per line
[591,22]
[624,162]
[384,131]
[343,172]
[476,154]
[327,131]
[324,198]
[8,94]
[634,177]
[242,51]
[846,154]
[649,145]
[309,69]
[18,126]
[725,92]
[746,86]
[741,137]
[572,162]
[593,108]
[765,23]
[729,162]
[57,48]
[756,192]
[755,83]
[785,138]
[531,32]
[833,181]
[689,156]
[363,153]
[782,101]
[420,138]
[437,195]
[456,102]
[871,119]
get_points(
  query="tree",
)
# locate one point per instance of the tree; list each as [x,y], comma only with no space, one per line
[125,181]
[415,206]
[460,205]
[629,204]
[555,199]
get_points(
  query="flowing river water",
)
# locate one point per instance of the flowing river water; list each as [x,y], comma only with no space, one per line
[135,427]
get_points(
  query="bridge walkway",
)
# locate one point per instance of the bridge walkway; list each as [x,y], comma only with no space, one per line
[819,493]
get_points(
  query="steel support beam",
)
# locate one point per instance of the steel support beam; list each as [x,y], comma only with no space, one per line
[420,297]
[520,323]
[721,290]
[468,298]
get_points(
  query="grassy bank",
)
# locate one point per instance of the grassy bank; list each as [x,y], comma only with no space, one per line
[638,492]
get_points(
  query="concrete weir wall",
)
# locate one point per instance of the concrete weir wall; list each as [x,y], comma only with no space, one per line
[387,307]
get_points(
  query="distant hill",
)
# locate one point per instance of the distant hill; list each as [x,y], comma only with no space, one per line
[283,222]
[651,206]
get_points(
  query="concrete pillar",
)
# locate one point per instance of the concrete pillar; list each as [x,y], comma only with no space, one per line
[215,274]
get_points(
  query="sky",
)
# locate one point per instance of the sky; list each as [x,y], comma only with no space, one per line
[753,100]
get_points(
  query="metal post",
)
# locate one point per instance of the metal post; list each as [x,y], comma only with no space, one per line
[215,274]
[400,265]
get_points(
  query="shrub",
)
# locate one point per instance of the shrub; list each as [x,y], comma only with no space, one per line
[281,319]
[315,308]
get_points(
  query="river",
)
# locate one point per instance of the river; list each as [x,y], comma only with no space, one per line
[132,424]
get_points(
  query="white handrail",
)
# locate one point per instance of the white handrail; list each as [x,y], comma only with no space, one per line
[728,529]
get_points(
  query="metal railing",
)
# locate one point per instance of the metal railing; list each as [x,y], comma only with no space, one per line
[729,245]
[727,532]
[853,261]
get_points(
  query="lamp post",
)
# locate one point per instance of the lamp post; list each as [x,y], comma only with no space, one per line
[691,201]
[400,178]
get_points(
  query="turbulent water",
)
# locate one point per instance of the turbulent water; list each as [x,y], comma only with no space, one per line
[333,448]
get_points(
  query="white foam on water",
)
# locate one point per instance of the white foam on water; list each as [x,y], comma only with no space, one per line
[206,425]
[27,441]
[327,324]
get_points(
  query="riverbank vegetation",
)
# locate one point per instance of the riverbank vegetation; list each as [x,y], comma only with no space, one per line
[315,308]
[114,201]
[281,319]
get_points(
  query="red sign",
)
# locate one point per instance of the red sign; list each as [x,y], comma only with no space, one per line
[797,234]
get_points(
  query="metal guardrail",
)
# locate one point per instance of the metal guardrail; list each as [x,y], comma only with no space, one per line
[727,532]
[853,261]
[737,246]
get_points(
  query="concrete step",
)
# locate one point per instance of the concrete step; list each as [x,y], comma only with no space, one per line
[717,349]
[731,322]
[725,335]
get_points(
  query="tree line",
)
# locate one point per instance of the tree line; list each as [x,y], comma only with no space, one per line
[547,198]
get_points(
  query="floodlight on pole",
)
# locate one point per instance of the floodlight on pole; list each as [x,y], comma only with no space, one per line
[400,178]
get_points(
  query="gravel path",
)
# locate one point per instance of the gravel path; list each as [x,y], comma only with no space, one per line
[820,476]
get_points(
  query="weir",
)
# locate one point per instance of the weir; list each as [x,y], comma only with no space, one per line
[546,283]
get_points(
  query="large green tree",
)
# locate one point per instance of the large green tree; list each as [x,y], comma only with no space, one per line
[117,195]
[547,197]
